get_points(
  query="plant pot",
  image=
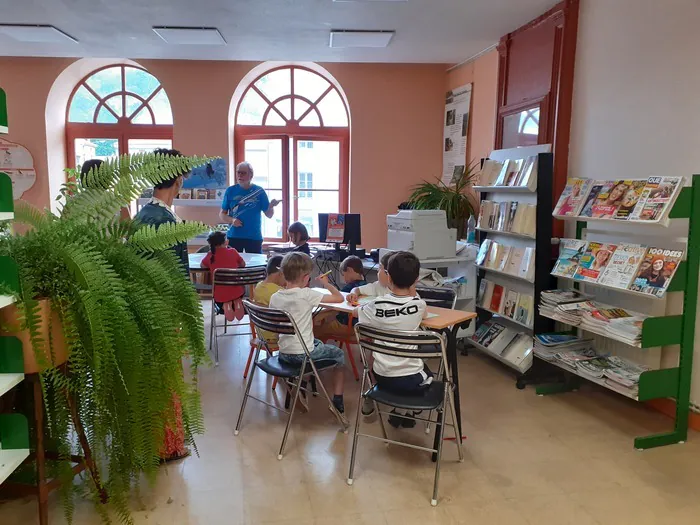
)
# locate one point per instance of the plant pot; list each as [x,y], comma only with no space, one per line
[49,320]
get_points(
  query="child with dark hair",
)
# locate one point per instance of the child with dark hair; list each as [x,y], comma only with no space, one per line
[94,164]
[401,309]
[222,256]
[299,236]
[331,325]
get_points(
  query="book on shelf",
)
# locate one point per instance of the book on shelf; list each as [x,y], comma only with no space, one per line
[657,198]
[570,253]
[502,340]
[527,177]
[496,299]
[514,168]
[515,260]
[519,352]
[502,216]
[489,172]
[510,218]
[483,252]
[527,266]
[573,197]
[506,302]
[500,180]
[593,261]
[510,303]
[482,220]
[513,346]
[656,271]
[623,266]
[524,309]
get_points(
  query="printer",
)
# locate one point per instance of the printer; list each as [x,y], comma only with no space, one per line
[423,232]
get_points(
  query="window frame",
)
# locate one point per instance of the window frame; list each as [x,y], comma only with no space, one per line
[295,133]
[123,129]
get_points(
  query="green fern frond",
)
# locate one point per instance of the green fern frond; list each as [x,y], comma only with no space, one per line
[149,238]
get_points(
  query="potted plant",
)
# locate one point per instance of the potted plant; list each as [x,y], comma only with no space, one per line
[455,198]
[128,316]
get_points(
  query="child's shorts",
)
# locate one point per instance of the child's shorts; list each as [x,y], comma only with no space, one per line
[321,352]
[413,384]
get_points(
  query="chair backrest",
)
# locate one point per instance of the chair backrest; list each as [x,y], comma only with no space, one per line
[204,249]
[270,319]
[239,276]
[422,344]
[442,297]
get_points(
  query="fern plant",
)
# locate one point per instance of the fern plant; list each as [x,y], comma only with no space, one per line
[455,198]
[129,316]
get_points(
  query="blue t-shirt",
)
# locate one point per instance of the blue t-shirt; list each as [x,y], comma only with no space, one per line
[247,206]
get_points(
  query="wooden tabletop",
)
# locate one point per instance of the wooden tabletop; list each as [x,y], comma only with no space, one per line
[442,317]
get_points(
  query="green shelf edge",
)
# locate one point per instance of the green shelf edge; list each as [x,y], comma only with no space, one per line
[3,112]
[677,284]
[684,204]
[14,431]
[656,384]
[9,274]
[662,331]
[11,355]
[659,440]
[6,203]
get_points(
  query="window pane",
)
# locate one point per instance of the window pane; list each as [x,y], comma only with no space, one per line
[105,116]
[285,107]
[274,119]
[316,202]
[521,129]
[82,107]
[148,145]
[143,117]
[321,162]
[252,109]
[273,227]
[140,82]
[107,81]
[309,85]
[115,103]
[160,104]
[265,155]
[275,84]
[300,108]
[86,149]
[333,110]
[311,119]
[132,104]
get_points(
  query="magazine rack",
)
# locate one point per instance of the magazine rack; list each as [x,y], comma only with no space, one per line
[662,331]
[541,242]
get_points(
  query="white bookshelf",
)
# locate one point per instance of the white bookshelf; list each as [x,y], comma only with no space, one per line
[507,234]
[504,189]
[7,216]
[9,381]
[10,460]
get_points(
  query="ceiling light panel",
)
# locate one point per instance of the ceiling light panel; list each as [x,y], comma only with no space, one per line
[36,33]
[352,38]
[358,1]
[194,36]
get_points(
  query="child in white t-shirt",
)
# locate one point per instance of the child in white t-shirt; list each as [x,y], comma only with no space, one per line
[375,289]
[300,301]
[401,309]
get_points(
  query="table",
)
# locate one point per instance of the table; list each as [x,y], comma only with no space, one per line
[444,320]
[251,259]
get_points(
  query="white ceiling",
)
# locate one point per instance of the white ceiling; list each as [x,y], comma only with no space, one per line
[441,31]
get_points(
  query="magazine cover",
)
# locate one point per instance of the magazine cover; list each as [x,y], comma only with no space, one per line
[654,203]
[336,227]
[593,261]
[572,197]
[483,252]
[630,199]
[609,199]
[496,299]
[623,265]
[587,208]
[511,302]
[656,271]
[570,253]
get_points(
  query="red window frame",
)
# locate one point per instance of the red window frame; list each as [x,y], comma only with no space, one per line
[292,133]
[124,129]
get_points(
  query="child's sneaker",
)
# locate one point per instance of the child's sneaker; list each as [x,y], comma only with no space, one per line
[229,313]
[397,420]
[339,404]
[367,407]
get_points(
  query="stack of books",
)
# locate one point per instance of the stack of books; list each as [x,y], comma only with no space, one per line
[515,261]
[514,173]
[512,217]
[625,266]
[645,200]
[500,300]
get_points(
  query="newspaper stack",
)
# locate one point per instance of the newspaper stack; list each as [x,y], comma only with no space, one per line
[618,323]
[550,346]
[623,375]
[593,368]
[556,304]
[571,358]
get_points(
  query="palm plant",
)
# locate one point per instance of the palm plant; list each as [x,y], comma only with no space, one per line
[129,316]
[455,198]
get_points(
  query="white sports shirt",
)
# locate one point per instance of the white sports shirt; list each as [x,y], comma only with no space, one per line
[373,289]
[300,303]
[394,312]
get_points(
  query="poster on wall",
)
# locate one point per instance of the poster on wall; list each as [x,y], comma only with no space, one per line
[336,228]
[454,154]
[211,175]
[17,162]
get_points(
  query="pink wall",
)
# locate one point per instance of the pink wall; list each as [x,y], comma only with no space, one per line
[396,112]
[483,74]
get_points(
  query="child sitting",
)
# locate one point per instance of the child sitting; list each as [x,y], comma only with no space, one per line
[401,309]
[299,237]
[274,282]
[300,301]
[329,324]
[376,289]
[221,255]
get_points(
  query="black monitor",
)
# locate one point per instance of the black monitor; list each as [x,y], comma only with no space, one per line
[353,230]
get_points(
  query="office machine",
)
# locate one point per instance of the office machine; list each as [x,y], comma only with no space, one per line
[423,232]
[352,231]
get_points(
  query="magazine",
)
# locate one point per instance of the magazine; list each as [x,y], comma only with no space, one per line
[623,266]
[572,197]
[624,372]
[570,253]
[656,271]
[609,199]
[630,199]
[523,311]
[511,302]
[483,252]
[587,208]
[593,261]
[336,227]
[656,199]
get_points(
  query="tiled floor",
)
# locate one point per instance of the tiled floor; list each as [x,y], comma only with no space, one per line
[565,459]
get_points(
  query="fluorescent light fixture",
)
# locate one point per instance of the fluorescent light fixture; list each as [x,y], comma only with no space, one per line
[196,36]
[36,33]
[357,1]
[359,38]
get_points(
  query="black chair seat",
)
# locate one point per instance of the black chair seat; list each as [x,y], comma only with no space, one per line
[201,288]
[429,399]
[274,367]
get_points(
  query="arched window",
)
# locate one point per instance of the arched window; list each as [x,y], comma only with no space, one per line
[116,110]
[292,125]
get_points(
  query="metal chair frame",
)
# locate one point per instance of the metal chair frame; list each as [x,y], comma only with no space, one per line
[280,322]
[231,277]
[428,345]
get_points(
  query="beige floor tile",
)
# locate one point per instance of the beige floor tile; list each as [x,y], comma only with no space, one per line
[559,510]
[426,516]
[501,512]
